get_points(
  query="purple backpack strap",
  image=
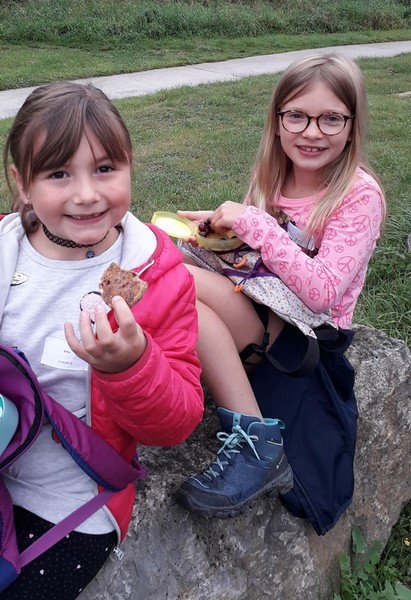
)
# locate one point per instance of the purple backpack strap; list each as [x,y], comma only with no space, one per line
[56,533]
[93,454]
[9,552]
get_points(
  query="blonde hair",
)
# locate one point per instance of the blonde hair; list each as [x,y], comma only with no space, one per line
[49,127]
[345,80]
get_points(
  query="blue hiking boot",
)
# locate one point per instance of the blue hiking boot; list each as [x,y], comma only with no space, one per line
[251,463]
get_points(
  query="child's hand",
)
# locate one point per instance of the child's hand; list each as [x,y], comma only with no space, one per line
[224,217]
[197,216]
[105,350]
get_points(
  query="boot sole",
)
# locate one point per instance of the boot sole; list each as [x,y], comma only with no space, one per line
[281,485]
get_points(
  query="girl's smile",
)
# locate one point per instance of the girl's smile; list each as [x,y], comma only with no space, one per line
[86,217]
[311,149]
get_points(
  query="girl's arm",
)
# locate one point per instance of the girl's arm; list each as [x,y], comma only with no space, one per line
[347,242]
[159,400]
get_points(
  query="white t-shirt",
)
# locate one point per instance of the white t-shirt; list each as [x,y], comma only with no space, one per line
[46,480]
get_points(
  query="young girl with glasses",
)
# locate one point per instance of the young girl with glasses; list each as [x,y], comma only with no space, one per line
[310,165]
[130,372]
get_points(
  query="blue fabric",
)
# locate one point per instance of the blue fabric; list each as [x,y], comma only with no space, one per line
[8,573]
[320,413]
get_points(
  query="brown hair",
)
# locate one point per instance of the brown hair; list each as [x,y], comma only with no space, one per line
[48,130]
[272,165]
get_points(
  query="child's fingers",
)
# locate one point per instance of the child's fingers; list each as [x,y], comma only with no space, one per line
[74,343]
[126,322]
[198,216]
[191,240]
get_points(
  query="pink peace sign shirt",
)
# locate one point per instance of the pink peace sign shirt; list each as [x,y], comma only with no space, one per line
[334,278]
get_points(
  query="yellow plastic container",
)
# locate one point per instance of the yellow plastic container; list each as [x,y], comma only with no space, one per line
[174,225]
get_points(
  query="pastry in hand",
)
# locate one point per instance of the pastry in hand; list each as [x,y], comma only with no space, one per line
[116,281]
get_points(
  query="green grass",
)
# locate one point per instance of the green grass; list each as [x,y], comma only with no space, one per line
[45,40]
[24,66]
[366,577]
[113,23]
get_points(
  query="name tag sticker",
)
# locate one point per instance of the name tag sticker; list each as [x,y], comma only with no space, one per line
[57,354]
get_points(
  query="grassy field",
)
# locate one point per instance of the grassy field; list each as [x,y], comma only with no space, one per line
[45,40]
[194,147]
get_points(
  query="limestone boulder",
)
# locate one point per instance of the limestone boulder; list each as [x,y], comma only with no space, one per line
[266,553]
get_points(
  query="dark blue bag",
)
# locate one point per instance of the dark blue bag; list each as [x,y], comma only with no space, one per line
[319,410]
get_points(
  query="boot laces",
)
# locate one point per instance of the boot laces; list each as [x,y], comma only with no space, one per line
[233,444]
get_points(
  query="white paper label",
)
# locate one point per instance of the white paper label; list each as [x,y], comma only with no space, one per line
[57,354]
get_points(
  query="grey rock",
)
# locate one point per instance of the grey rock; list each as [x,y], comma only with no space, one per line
[266,553]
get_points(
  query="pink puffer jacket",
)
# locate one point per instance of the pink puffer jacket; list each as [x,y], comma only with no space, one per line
[159,400]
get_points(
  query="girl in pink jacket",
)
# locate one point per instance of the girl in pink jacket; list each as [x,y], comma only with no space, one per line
[311,166]
[131,373]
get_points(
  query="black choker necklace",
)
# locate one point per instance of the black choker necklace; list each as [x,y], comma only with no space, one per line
[70,244]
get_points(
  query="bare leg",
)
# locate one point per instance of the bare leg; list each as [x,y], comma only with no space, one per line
[223,372]
[227,324]
[251,461]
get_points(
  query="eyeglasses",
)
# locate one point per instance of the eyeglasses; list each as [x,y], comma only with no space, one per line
[295,121]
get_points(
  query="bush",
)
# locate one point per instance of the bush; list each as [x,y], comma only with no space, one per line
[118,24]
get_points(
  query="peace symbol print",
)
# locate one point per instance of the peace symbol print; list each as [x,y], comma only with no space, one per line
[334,280]
[314,294]
[309,265]
[257,235]
[295,283]
[267,251]
[241,226]
[330,234]
[351,240]
[255,211]
[325,251]
[361,223]
[346,264]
